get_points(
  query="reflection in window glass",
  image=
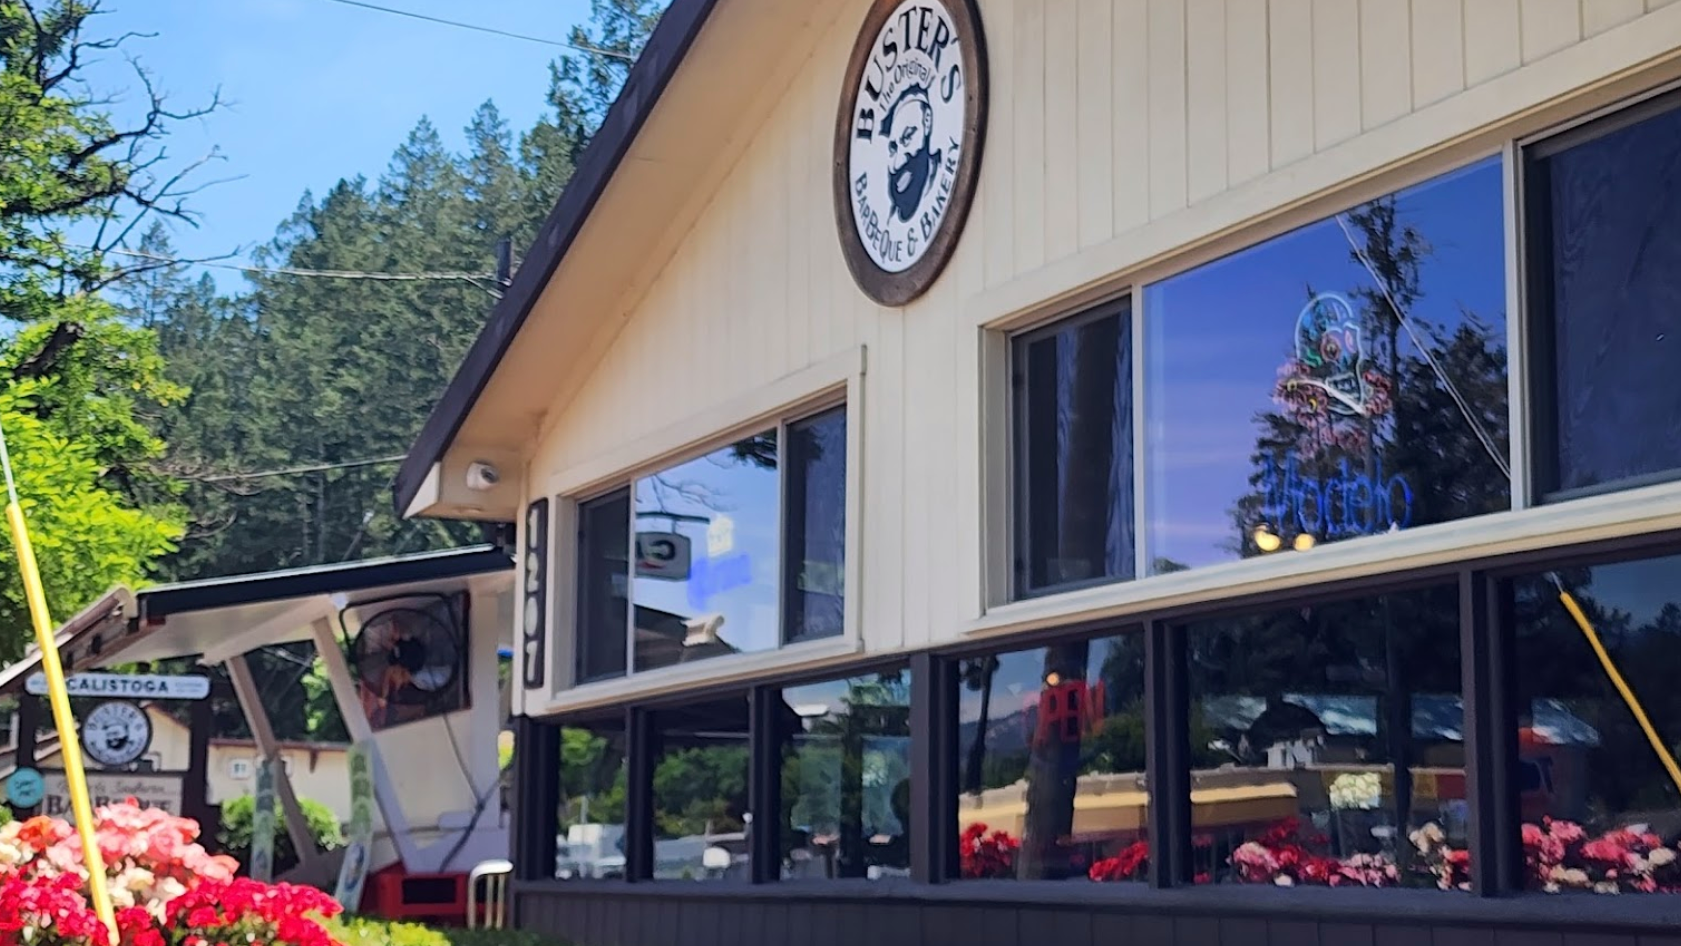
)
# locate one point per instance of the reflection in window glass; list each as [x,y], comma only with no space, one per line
[1327,745]
[592,803]
[1346,379]
[603,573]
[815,561]
[1600,812]
[700,792]
[1074,504]
[846,778]
[1609,264]
[707,553]
[1052,763]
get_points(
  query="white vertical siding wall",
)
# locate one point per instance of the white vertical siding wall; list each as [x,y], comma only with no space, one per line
[1119,129]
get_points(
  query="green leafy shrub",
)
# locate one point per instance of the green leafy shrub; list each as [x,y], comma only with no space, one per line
[235,835]
[367,931]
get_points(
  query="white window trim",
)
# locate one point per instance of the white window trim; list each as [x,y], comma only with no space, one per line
[835,382]
[1525,526]
[1611,515]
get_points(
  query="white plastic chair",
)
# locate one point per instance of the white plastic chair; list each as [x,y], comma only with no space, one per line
[495,875]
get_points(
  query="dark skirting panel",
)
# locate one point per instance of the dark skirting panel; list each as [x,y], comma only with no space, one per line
[1005,914]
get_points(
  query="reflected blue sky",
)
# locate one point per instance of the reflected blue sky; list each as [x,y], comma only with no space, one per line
[1019,679]
[1216,337]
[734,547]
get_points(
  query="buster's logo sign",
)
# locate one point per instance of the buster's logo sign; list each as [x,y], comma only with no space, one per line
[908,143]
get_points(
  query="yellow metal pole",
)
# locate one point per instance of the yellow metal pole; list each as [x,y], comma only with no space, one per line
[70,745]
[1665,757]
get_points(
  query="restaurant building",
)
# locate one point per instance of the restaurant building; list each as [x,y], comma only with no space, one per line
[1099,471]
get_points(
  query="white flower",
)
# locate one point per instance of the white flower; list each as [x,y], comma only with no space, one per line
[1662,857]
[1605,886]
[1427,838]
[1357,790]
[1283,880]
[1570,877]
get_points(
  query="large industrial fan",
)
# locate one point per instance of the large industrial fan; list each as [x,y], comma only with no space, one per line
[410,662]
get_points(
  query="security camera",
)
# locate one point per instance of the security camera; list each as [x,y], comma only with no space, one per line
[482,476]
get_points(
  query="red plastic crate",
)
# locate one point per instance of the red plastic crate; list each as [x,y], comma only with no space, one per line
[394,894]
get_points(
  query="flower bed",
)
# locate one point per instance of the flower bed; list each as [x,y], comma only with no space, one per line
[167,889]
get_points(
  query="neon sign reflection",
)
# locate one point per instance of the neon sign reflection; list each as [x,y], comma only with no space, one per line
[1342,505]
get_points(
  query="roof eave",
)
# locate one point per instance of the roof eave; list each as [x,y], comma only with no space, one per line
[649,77]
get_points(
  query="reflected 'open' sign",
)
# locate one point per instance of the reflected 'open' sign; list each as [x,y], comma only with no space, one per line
[1068,712]
[663,555]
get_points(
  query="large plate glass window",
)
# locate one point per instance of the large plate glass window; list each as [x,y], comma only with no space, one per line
[1605,289]
[1327,745]
[1051,763]
[741,550]
[701,817]
[846,778]
[708,543]
[1073,474]
[1601,811]
[1343,380]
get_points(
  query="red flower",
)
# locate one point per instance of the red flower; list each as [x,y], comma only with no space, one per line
[43,895]
[1130,864]
[987,855]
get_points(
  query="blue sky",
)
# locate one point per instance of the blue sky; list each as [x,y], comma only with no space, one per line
[321,91]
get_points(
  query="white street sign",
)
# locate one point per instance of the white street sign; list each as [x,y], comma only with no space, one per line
[131,686]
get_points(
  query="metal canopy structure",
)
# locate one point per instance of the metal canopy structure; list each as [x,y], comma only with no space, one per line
[221,620]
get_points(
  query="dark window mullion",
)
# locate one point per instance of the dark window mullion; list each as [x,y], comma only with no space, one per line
[1167,759]
[766,740]
[537,795]
[934,751]
[1491,749]
[642,750]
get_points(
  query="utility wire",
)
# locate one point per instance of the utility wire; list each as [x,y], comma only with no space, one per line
[289,471]
[592,50]
[1401,315]
[291,271]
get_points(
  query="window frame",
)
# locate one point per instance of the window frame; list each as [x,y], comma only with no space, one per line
[580,599]
[788,568]
[1540,349]
[1123,307]
[836,383]
[1498,892]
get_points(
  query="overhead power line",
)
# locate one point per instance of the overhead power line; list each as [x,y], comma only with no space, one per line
[293,271]
[291,471]
[592,50]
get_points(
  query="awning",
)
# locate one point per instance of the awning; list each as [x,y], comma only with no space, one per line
[223,617]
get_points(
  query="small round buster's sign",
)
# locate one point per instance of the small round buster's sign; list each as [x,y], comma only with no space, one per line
[908,143]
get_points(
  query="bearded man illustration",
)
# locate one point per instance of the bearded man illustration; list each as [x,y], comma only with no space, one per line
[911,160]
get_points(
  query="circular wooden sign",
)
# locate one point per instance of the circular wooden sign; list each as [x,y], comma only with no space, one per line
[116,733]
[908,143]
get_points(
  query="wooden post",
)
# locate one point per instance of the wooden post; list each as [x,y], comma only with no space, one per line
[250,701]
[195,793]
[29,724]
[356,723]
